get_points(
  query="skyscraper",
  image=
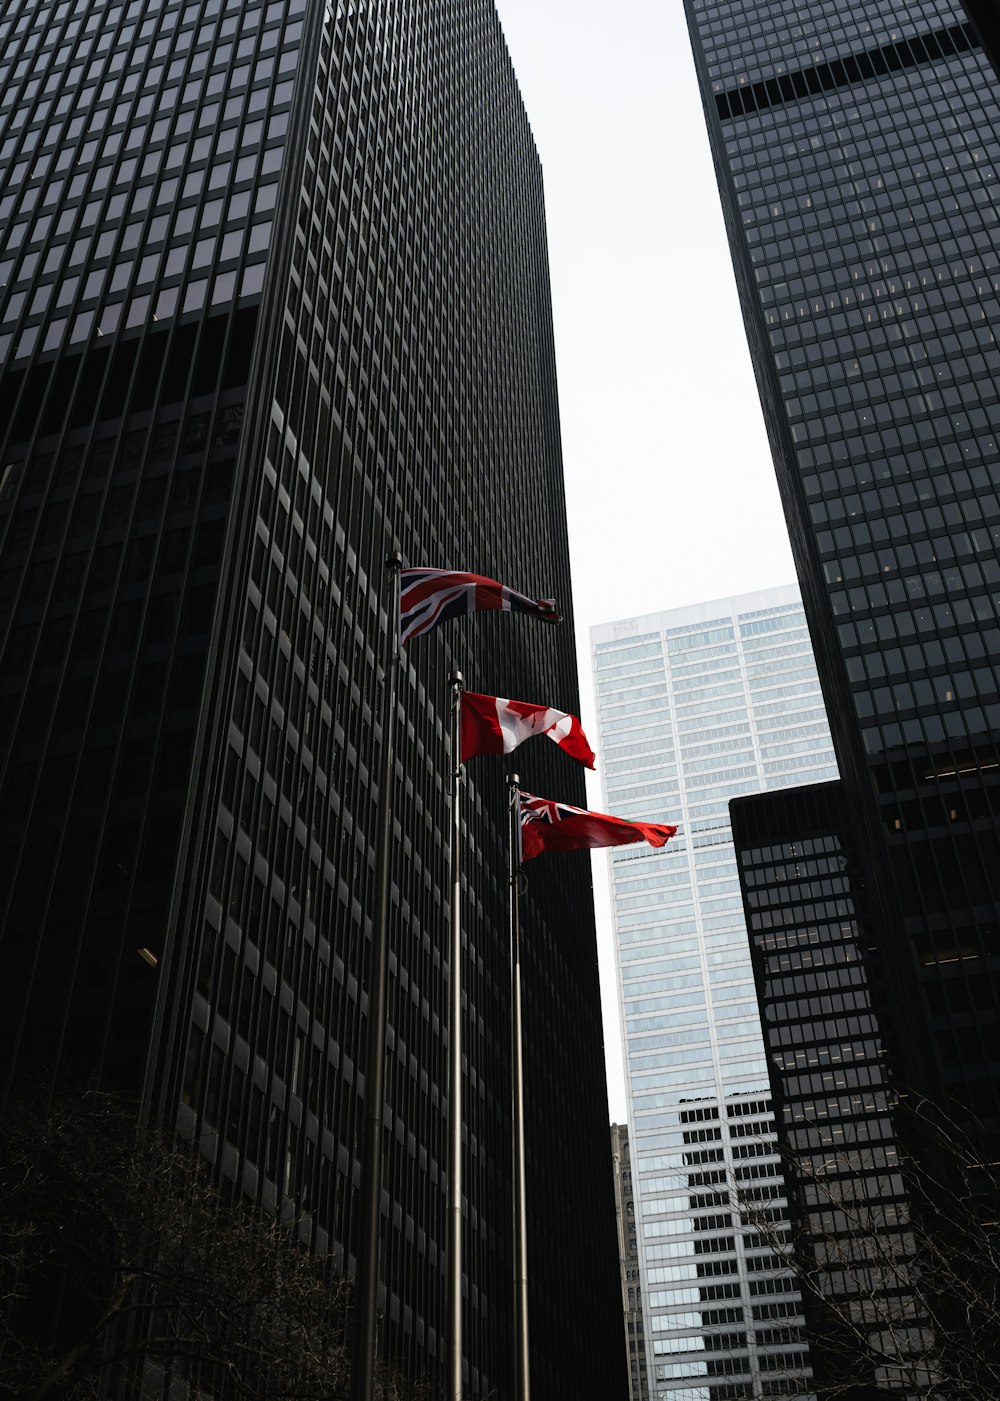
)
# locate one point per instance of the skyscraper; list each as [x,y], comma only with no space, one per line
[856,151]
[812,945]
[697,705]
[628,1254]
[274,303]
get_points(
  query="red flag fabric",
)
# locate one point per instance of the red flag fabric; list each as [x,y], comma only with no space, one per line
[493,725]
[431,596]
[549,826]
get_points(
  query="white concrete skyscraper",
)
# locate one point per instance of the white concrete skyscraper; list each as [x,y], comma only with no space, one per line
[696,706]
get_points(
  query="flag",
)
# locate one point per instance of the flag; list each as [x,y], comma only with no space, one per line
[431,596]
[492,725]
[549,826]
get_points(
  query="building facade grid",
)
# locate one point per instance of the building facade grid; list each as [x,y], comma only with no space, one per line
[250,344]
[857,148]
[815,957]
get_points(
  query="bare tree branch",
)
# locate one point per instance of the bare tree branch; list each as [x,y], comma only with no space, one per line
[903,1295]
[118,1254]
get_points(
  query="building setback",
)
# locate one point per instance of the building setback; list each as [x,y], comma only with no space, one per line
[856,151]
[697,705]
[812,945]
[272,303]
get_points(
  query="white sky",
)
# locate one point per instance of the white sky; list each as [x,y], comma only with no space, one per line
[670,486]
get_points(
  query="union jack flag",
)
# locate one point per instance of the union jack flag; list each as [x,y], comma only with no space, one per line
[431,596]
[551,826]
[545,810]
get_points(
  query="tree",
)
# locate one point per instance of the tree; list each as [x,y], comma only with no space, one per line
[898,1259]
[124,1270]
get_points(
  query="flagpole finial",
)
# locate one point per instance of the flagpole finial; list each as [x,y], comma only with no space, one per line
[514,781]
[393,559]
[456,679]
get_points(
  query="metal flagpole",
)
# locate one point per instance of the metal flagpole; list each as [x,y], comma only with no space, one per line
[453,1390]
[370,1197]
[522,1375]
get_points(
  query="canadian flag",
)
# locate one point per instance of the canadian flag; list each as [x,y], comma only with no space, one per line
[492,725]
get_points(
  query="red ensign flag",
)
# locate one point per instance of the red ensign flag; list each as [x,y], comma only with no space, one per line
[492,725]
[549,826]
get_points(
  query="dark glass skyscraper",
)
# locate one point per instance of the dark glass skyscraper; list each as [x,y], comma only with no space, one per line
[814,954]
[857,150]
[274,300]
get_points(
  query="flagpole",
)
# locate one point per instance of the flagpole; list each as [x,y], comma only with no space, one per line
[453,1390]
[370,1196]
[522,1374]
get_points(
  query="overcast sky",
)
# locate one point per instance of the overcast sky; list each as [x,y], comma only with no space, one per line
[671,491]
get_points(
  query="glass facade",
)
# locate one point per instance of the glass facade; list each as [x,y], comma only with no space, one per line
[250,343]
[698,705]
[812,943]
[857,148]
[140,155]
